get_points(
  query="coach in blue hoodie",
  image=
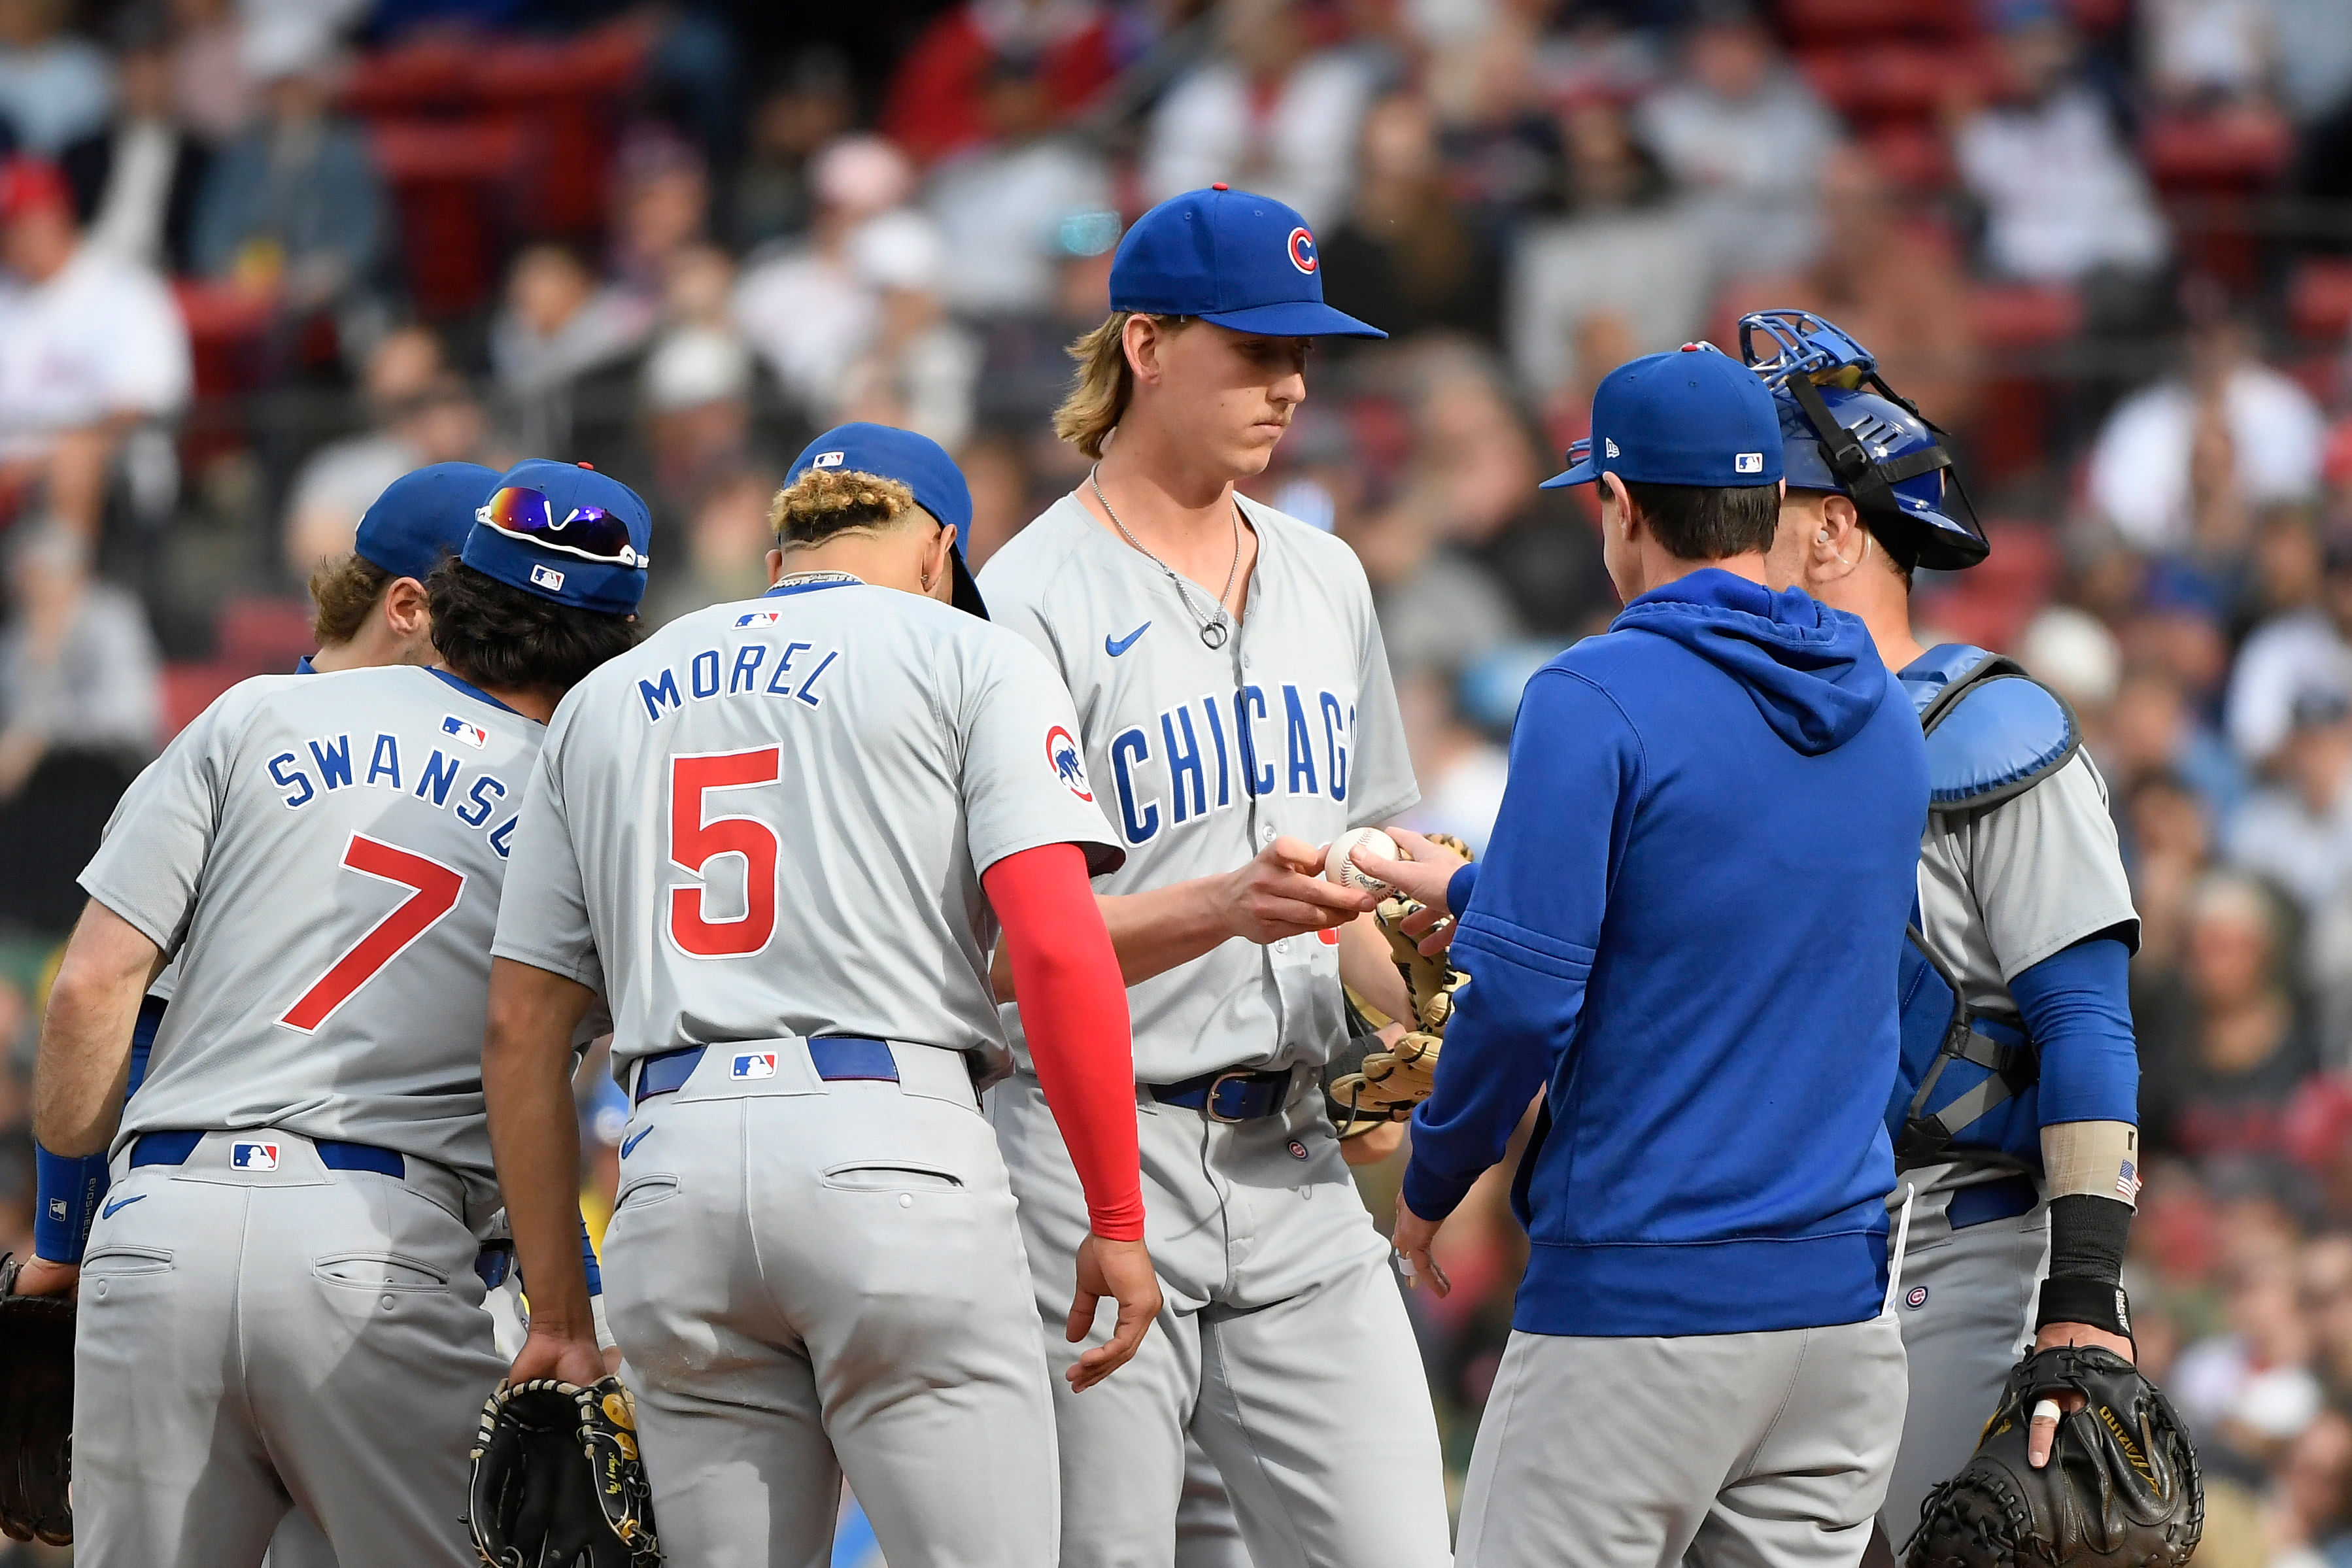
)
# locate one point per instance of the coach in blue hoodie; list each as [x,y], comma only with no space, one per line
[1685,935]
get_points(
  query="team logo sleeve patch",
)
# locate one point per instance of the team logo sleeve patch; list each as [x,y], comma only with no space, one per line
[1062,754]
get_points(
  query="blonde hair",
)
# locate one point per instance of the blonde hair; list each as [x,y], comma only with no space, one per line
[1106,381]
[343,593]
[824,502]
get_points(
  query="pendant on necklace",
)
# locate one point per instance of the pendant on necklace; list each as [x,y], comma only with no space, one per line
[1213,634]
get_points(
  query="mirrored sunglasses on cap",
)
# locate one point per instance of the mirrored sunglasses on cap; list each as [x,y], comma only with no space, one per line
[590,533]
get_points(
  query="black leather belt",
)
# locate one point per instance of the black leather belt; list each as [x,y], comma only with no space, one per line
[1228,1097]
[174,1149]
[837,1057]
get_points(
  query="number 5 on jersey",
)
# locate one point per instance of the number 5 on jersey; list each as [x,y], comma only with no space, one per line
[437,888]
[697,838]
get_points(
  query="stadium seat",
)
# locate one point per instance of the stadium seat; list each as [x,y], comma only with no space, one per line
[2207,153]
[189,690]
[1989,604]
[1914,156]
[262,637]
[2319,300]
[449,179]
[1893,81]
[563,95]
[436,74]
[1861,21]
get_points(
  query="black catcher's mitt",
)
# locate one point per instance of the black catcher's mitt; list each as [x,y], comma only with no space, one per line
[36,1347]
[2121,1488]
[557,1480]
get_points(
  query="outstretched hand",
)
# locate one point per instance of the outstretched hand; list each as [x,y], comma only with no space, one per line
[1279,893]
[1424,878]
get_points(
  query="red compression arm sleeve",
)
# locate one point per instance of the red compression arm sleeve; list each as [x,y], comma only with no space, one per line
[1073,1010]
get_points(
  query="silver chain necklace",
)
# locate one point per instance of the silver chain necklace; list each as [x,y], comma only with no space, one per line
[1213,633]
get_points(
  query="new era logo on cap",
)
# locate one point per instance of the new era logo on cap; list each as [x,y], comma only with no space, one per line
[753,1064]
[1610,447]
[253,1156]
[546,577]
[473,735]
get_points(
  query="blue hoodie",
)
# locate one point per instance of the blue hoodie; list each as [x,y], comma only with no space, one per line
[1686,933]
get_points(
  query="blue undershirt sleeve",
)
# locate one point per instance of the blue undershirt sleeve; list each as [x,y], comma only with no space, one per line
[1528,932]
[2077,1008]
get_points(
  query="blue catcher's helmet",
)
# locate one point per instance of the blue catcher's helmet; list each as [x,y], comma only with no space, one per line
[1844,430]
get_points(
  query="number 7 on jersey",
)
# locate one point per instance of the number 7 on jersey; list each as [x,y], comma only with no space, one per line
[437,887]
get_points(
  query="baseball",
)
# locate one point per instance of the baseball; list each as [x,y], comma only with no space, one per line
[1337,867]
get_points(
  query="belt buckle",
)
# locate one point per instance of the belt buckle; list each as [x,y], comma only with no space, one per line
[1209,1105]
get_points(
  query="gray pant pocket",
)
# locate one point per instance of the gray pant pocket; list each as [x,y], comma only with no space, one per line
[378,1271]
[891,1177]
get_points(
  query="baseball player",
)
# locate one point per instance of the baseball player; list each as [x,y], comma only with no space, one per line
[2015,1115]
[1703,1365]
[370,609]
[779,839]
[279,1303]
[1235,708]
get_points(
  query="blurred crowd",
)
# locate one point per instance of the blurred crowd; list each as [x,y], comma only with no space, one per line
[262,255]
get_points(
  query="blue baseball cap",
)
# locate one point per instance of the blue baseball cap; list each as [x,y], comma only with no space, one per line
[1695,417]
[565,532]
[423,516]
[917,462]
[1240,260]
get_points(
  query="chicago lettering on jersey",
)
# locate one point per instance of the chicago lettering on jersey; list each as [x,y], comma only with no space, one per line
[332,762]
[1203,756]
[752,669]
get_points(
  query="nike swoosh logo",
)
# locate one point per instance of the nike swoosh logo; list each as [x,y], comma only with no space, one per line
[119,1205]
[629,1144]
[1116,645]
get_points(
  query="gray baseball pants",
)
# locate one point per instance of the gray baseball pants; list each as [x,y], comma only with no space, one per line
[1755,1450]
[257,1340]
[1966,1312]
[1284,1347]
[811,1278]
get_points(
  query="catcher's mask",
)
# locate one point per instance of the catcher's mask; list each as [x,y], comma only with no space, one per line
[1844,430]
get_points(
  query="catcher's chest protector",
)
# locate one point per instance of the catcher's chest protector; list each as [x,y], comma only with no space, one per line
[1993,732]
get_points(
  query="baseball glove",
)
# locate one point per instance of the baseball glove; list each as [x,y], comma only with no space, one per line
[1368,1083]
[36,1347]
[557,1480]
[2121,1488]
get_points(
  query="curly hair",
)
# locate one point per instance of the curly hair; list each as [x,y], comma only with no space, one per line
[342,593]
[824,502]
[1104,383]
[499,636]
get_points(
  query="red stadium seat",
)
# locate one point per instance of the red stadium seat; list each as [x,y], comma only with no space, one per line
[563,95]
[452,181]
[2026,315]
[1992,603]
[2012,320]
[263,637]
[1914,156]
[2319,301]
[1861,21]
[2238,150]
[1893,80]
[414,79]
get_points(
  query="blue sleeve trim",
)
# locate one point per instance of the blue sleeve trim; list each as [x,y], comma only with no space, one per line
[588,1260]
[2077,1009]
[67,1197]
[142,1040]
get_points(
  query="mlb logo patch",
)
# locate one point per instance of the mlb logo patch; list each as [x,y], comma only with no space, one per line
[473,735]
[1748,463]
[826,460]
[1611,447]
[754,1064]
[57,1209]
[253,1156]
[760,618]
[546,577]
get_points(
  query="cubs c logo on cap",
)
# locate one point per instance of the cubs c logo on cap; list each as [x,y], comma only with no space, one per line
[1302,250]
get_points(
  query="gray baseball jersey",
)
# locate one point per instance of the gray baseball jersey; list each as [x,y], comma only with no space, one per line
[329,885]
[771,817]
[1204,756]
